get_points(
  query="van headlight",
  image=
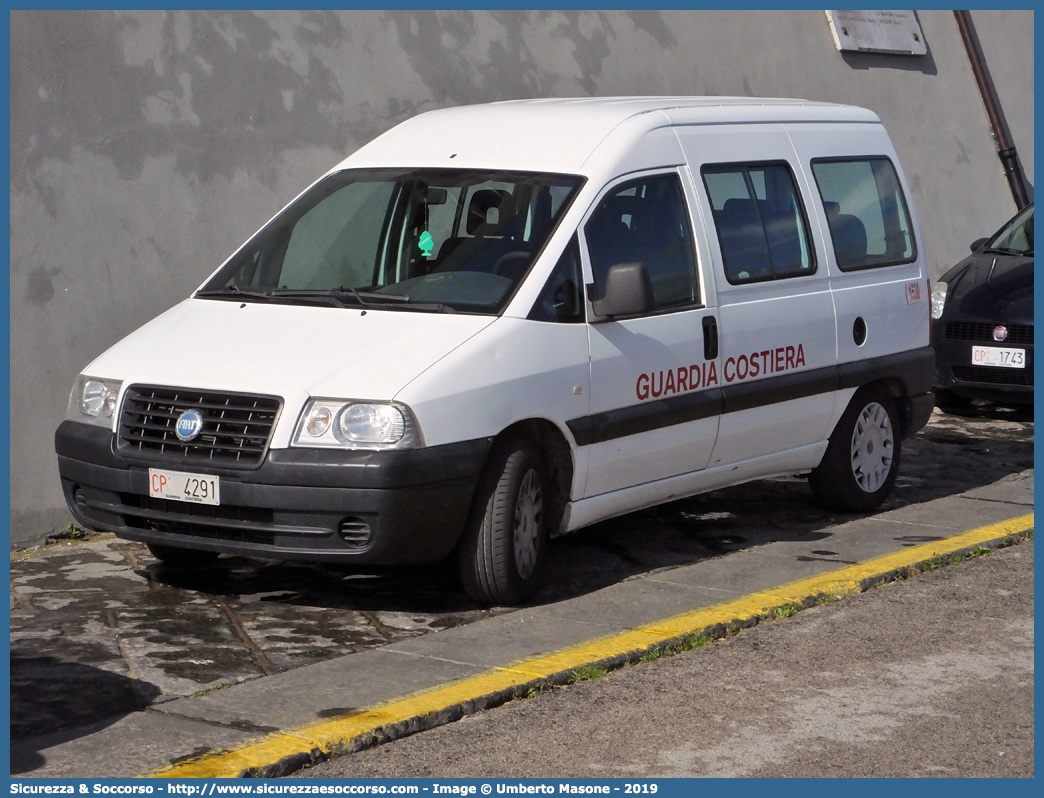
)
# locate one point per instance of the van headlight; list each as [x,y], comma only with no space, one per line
[346,424]
[93,400]
[938,300]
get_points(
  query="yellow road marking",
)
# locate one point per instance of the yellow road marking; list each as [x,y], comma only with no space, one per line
[339,733]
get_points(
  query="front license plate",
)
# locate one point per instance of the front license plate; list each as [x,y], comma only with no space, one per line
[998,356]
[183,487]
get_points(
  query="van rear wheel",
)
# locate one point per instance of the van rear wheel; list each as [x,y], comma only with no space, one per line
[179,557]
[502,551]
[862,459]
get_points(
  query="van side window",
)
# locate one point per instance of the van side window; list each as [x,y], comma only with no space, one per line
[561,300]
[646,221]
[760,221]
[866,211]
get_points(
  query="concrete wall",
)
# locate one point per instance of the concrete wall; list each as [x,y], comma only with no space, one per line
[146,145]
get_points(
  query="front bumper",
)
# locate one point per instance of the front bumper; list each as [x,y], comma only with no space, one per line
[365,507]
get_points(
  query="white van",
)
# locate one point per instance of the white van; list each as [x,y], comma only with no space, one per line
[498,323]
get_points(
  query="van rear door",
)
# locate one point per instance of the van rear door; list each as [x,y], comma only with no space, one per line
[878,275]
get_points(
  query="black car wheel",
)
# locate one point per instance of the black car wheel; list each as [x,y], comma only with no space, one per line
[501,554]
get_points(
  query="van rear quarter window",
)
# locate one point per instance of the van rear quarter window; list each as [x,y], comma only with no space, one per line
[760,221]
[866,212]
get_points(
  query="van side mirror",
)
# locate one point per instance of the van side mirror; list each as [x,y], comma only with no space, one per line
[628,291]
[977,245]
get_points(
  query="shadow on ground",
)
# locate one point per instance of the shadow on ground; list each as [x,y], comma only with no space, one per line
[70,697]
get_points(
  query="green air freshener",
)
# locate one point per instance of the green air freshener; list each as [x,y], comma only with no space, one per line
[426,243]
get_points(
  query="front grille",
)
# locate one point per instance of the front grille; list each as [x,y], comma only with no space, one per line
[1018,334]
[236,427]
[993,375]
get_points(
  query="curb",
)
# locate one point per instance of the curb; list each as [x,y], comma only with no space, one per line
[283,752]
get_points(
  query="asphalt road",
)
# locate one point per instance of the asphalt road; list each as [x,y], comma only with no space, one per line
[932,676]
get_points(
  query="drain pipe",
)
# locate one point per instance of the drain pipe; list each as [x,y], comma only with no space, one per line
[1005,147]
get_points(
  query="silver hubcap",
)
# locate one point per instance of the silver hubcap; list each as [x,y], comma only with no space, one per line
[528,517]
[872,447]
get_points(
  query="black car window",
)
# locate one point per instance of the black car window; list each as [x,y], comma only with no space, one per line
[1016,237]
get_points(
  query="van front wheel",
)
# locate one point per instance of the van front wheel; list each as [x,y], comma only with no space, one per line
[862,459]
[501,553]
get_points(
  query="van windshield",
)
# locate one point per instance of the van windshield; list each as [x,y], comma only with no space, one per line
[425,240]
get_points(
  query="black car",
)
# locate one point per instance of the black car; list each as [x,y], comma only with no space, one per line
[982,320]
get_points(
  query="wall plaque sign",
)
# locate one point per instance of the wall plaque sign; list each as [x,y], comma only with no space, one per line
[896,32]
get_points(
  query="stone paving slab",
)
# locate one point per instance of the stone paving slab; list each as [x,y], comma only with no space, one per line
[124,746]
[328,689]
[747,572]
[964,510]
[632,603]
[522,634]
[1015,489]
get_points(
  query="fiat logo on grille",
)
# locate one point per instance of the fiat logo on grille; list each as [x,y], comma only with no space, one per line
[1000,333]
[189,425]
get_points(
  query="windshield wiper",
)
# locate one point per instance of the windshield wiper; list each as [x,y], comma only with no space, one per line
[433,307]
[365,299]
[332,296]
[233,292]
[250,295]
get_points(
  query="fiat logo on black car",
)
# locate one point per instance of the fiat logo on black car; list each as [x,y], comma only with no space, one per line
[189,425]
[1000,333]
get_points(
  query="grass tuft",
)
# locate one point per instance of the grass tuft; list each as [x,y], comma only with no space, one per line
[536,690]
[687,643]
[787,610]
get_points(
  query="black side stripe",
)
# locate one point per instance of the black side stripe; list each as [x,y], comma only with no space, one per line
[646,416]
[747,395]
[915,369]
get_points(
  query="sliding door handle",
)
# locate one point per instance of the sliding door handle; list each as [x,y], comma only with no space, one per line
[710,338]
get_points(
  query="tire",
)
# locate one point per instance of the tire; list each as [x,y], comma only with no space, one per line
[181,558]
[502,551]
[862,459]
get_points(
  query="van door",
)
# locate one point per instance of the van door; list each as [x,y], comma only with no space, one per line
[652,416]
[880,278]
[778,332]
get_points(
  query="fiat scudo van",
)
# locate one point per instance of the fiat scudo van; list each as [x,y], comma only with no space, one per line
[499,323]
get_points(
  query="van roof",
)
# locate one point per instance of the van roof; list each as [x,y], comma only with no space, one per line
[560,135]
